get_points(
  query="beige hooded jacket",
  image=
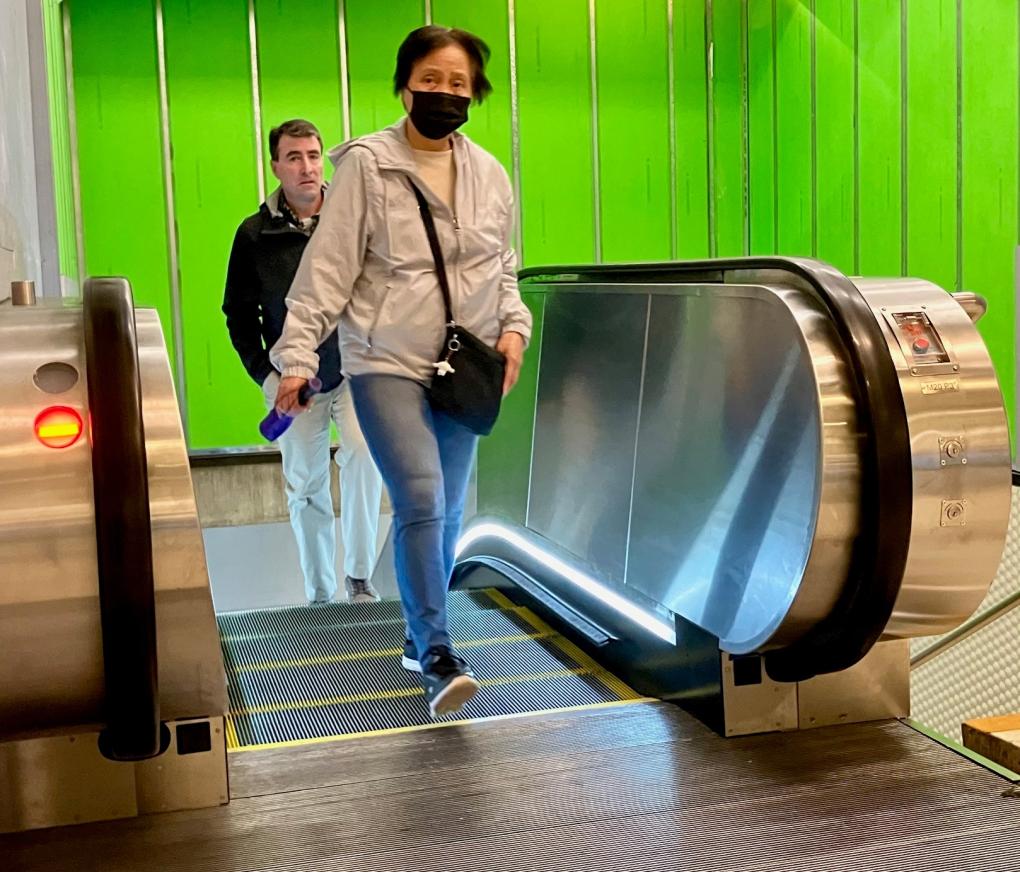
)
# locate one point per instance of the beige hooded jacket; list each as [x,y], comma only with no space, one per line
[368,265]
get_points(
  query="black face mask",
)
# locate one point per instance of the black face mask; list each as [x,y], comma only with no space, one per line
[436,114]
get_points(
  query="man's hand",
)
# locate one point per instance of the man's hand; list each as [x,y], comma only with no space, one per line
[511,346]
[287,401]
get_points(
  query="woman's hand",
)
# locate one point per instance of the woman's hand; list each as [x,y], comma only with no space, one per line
[287,401]
[511,346]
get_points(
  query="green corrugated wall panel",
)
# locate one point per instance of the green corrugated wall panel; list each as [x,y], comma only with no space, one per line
[931,141]
[834,137]
[375,31]
[116,94]
[214,189]
[761,134]
[299,69]
[554,87]
[880,138]
[488,124]
[990,119]
[60,137]
[728,166]
[690,83]
[794,153]
[633,112]
[504,457]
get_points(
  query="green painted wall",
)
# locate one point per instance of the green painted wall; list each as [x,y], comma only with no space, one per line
[116,96]
[880,135]
[60,125]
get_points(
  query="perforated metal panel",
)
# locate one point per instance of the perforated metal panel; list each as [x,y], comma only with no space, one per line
[978,676]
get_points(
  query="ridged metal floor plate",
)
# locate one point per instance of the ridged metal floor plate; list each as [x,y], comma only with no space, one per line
[313,673]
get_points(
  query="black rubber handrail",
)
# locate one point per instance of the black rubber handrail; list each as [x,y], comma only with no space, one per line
[880,550]
[120,484]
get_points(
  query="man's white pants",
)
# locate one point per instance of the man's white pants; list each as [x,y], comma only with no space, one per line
[305,452]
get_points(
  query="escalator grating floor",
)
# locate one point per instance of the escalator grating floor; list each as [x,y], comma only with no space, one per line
[308,674]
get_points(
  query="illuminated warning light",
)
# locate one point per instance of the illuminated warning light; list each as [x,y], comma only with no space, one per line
[58,427]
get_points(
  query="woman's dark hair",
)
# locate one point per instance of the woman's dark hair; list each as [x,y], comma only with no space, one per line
[427,39]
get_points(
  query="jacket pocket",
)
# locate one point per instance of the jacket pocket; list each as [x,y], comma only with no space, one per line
[379,309]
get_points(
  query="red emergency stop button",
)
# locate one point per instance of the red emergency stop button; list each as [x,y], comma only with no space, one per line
[921,345]
[58,427]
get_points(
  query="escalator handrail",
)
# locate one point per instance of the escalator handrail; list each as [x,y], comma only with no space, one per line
[866,602]
[123,531]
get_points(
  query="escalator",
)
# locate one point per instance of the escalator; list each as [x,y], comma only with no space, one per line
[737,486]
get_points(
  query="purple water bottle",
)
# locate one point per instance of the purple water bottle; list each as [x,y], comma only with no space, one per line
[274,425]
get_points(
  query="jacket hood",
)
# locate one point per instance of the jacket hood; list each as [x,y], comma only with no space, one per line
[390,147]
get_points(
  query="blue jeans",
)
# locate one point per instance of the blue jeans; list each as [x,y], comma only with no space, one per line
[425,459]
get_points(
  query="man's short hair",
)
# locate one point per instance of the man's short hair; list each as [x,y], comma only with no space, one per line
[427,39]
[297,128]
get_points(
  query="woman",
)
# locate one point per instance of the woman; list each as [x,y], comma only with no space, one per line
[369,268]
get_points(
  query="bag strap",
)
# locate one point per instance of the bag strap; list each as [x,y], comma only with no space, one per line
[437,252]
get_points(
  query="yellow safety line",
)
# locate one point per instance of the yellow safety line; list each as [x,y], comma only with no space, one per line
[376,655]
[612,683]
[500,598]
[587,666]
[400,693]
[232,740]
[293,743]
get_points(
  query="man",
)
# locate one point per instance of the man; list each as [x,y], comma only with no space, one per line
[265,255]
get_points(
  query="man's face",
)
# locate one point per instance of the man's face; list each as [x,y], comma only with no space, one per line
[299,167]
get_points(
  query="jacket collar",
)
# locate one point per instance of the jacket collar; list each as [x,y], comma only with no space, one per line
[391,149]
[273,208]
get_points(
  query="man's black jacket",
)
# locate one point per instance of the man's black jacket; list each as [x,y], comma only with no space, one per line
[265,255]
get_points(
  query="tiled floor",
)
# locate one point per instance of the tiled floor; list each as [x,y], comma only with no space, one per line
[255,567]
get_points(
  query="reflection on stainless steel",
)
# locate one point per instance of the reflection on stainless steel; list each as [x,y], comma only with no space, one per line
[700,447]
[960,453]
[727,529]
[586,426]
[22,293]
[973,304]
[52,669]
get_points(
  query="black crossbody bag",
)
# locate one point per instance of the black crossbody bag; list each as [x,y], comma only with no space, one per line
[468,384]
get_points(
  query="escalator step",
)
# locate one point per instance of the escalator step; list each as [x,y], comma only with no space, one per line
[309,674]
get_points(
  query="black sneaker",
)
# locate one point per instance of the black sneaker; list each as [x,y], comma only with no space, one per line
[360,590]
[410,659]
[448,681]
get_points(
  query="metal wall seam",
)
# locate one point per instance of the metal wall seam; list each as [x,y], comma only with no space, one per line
[857,137]
[515,131]
[674,242]
[43,151]
[637,436]
[710,121]
[534,411]
[256,98]
[813,39]
[745,128]
[904,144]
[171,220]
[596,168]
[345,81]
[775,129]
[72,118]
[959,145]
